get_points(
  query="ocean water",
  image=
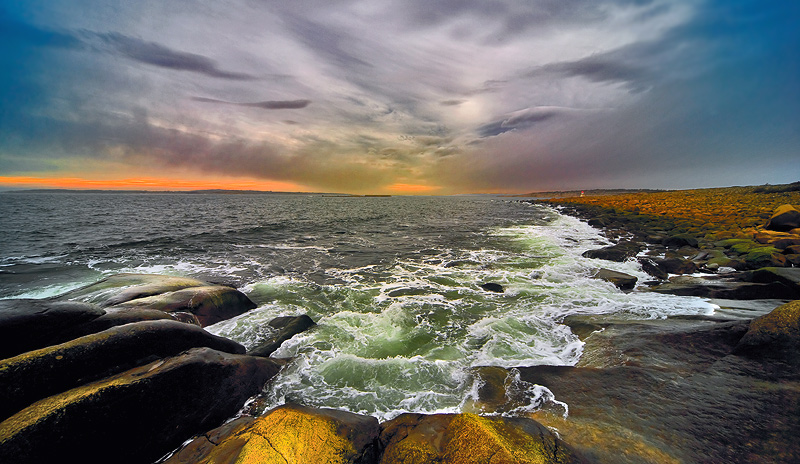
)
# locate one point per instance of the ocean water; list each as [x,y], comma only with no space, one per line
[392,282]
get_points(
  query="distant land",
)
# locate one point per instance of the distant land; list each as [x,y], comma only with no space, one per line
[588,193]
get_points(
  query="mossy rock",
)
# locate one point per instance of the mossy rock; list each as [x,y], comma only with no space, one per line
[469,438]
[119,288]
[289,433]
[776,334]
[764,257]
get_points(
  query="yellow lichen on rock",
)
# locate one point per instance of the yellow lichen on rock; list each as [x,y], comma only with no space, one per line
[469,438]
[290,434]
[777,331]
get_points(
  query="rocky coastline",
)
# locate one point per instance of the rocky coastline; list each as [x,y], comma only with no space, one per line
[123,370]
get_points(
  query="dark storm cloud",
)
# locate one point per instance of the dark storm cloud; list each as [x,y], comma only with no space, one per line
[266,105]
[520,120]
[155,54]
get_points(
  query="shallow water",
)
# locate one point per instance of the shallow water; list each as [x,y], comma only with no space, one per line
[393,283]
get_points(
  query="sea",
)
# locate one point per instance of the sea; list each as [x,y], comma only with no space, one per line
[393,283]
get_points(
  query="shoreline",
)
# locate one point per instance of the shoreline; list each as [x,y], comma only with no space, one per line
[669,390]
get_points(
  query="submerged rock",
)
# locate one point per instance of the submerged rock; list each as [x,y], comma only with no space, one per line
[38,374]
[493,287]
[619,279]
[137,416]
[287,327]
[469,438]
[27,324]
[289,433]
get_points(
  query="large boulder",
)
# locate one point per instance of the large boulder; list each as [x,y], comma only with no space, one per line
[114,318]
[211,303]
[31,376]
[619,279]
[679,240]
[137,416]
[28,324]
[469,438]
[286,327]
[288,434]
[785,218]
[119,288]
[776,334]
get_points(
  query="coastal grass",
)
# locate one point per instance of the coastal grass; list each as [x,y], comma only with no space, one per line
[712,214]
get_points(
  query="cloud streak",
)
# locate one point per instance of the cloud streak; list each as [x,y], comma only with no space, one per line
[265,105]
[156,54]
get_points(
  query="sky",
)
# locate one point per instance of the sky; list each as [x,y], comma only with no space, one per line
[399,97]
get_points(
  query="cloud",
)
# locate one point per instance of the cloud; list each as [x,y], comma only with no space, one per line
[267,105]
[155,54]
[451,102]
[522,120]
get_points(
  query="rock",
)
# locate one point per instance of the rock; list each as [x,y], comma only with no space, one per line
[287,327]
[619,279]
[776,334]
[114,318]
[31,376]
[27,324]
[137,416]
[469,438]
[597,222]
[792,250]
[676,265]
[123,287]
[288,434]
[649,266]
[786,275]
[680,240]
[779,240]
[764,257]
[725,289]
[619,252]
[785,218]
[493,287]
[211,304]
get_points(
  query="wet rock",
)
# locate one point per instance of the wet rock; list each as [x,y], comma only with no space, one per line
[676,265]
[289,433]
[211,304]
[619,279]
[779,240]
[34,375]
[469,438]
[785,275]
[680,240]
[287,327]
[123,287]
[619,252]
[597,222]
[137,416]
[649,266]
[725,288]
[493,287]
[28,324]
[672,391]
[785,218]
[114,318]
[776,334]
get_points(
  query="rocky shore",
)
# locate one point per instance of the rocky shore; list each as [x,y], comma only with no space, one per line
[123,369]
